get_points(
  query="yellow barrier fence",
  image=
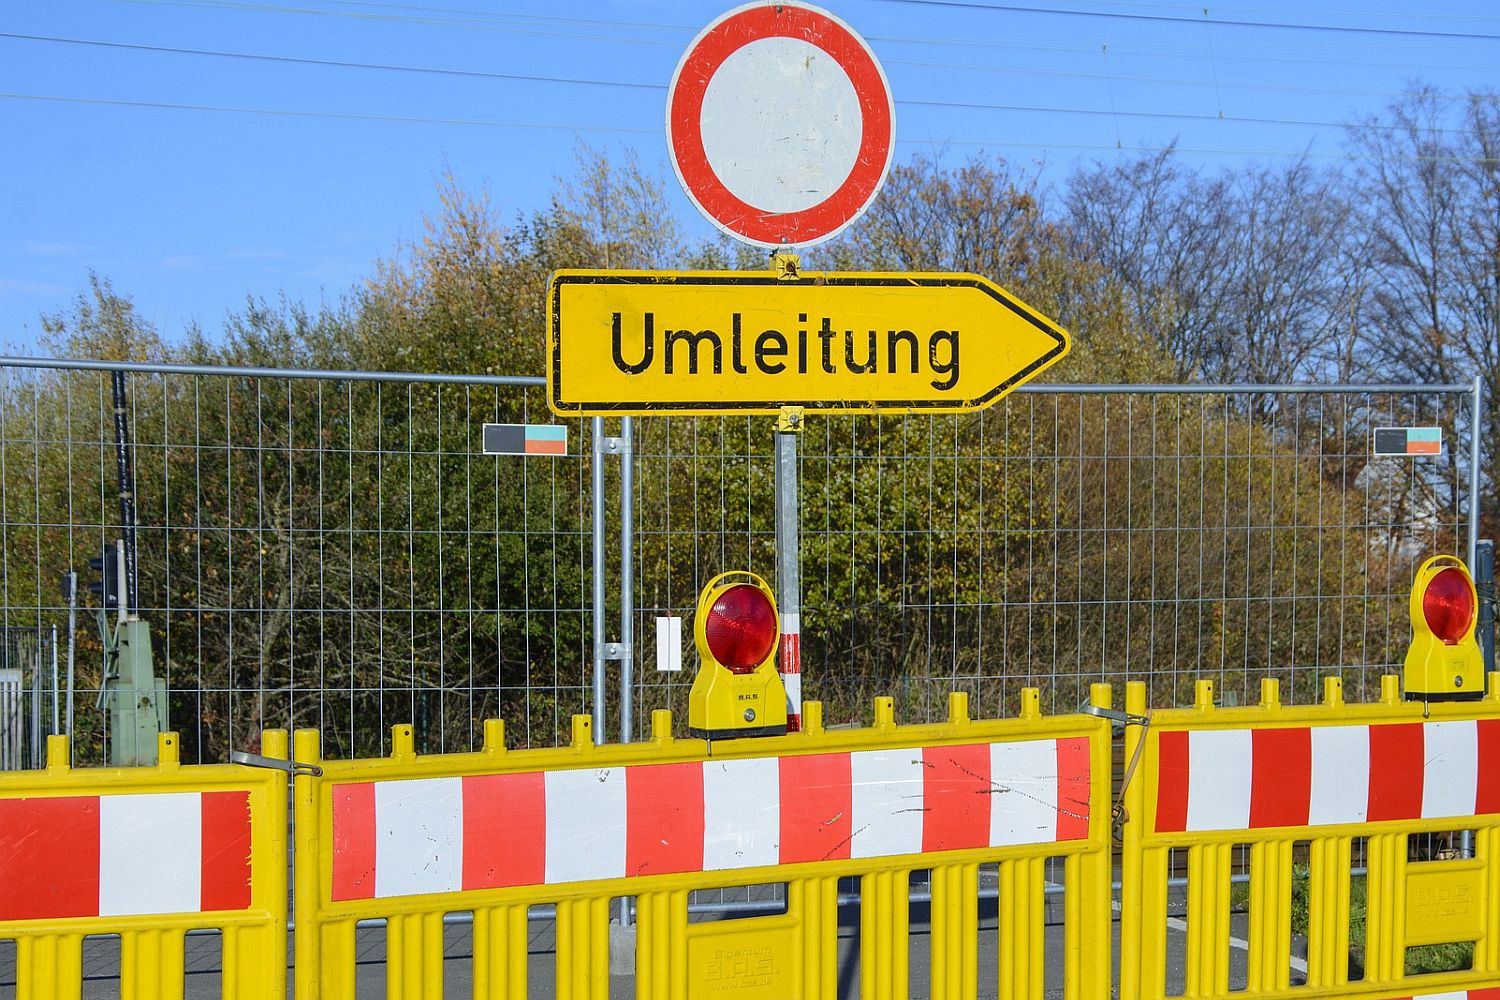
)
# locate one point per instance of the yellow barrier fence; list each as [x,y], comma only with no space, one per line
[149,854]
[410,839]
[1309,792]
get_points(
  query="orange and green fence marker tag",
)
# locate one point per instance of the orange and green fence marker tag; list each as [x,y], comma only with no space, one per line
[525,439]
[1408,440]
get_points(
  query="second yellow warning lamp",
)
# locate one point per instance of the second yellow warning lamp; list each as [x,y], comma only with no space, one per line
[738,691]
[1444,662]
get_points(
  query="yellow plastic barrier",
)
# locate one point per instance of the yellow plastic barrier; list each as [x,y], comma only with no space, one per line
[147,853]
[1297,786]
[410,839]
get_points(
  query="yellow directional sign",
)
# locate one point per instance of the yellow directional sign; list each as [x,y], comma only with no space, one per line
[724,342]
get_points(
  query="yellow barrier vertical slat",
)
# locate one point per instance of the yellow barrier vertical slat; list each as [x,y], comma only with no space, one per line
[583,949]
[1073,952]
[661,945]
[868,918]
[1262,900]
[1088,919]
[49,967]
[314,970]
[900,940]
[336,954]
[1136,965]
[1198,973]
[1487,949]
[260,968]
[1005,958]
[1035,930]
[254,962]
[677,978]
[500,952]
[815,900]
[1088,894]
[598,967]
[571,939]
[1270,916]
[233,964]
[1022,897]
[151,965]
[1151,926]
[1385,949]
[1286,866]
[1223,863]
[883,948]
[414,956]
[1328,912]
[653,959]
[955,931]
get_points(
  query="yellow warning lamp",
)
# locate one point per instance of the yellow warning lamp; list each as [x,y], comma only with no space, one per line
[1444,662]
[738,691]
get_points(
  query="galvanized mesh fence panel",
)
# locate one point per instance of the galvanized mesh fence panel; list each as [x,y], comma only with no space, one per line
[29,696]
[1063,538]
[317,551]
[333,549]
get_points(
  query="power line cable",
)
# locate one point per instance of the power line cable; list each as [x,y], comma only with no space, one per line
[529,78]
[244,5]
[477,19]
[337,115]
[554,126]
[583,81]
[1217,22]
[472,14]
[337,63]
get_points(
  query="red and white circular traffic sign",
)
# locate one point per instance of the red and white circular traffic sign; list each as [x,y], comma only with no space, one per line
[780,124]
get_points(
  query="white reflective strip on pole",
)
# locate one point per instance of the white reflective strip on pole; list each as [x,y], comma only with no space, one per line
[793,684]
[788,572]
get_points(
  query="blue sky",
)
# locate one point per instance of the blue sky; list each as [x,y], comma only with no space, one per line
[160,171]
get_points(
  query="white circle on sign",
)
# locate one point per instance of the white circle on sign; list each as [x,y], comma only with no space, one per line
[796,145]
[780,124]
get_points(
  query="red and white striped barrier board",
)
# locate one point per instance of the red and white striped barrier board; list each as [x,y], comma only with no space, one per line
[429,835]
[1487,993]
[1246,779]
[124,855]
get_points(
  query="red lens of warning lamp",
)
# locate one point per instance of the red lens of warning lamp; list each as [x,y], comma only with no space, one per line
[1448,605]
[741,628]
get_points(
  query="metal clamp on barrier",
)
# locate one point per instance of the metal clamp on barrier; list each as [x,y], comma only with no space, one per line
[1118,814]
[292,767]
[1117,717]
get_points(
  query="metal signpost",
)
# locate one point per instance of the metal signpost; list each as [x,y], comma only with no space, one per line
[780,125]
